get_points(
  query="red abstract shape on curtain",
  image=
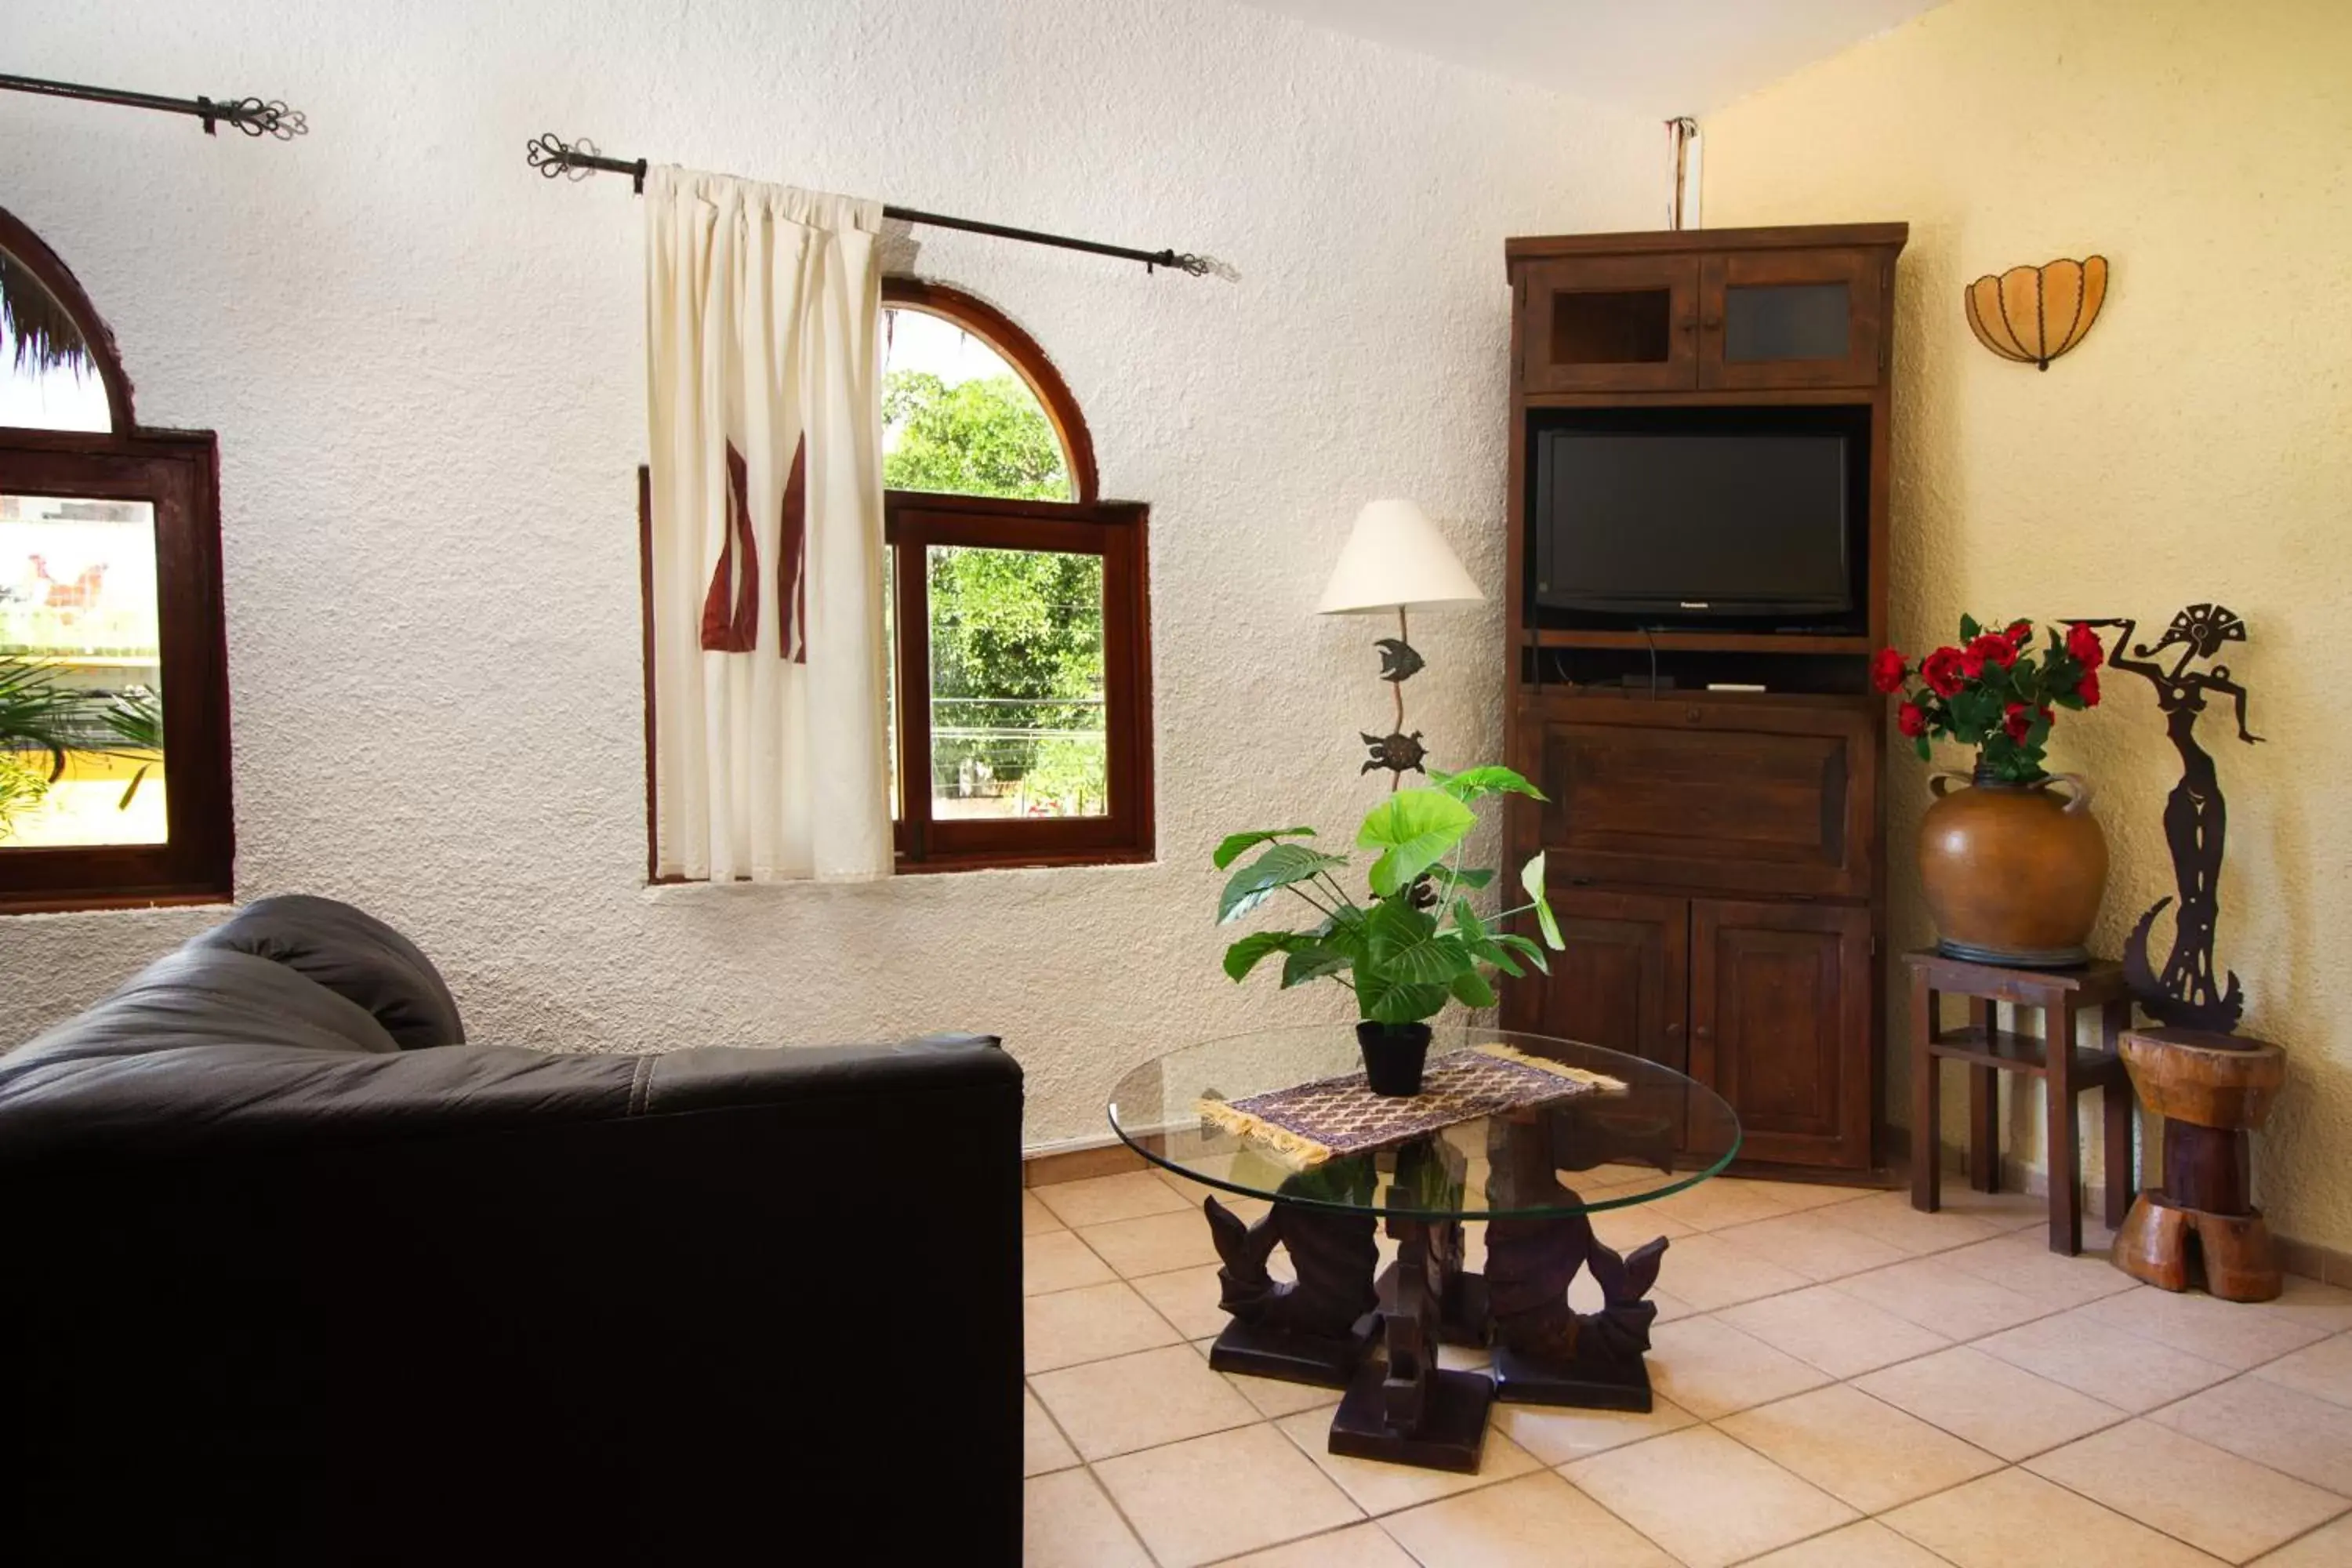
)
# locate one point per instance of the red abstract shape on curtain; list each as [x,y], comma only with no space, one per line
[730,610]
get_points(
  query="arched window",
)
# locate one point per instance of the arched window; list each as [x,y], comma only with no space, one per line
[114,785]
[1022,687]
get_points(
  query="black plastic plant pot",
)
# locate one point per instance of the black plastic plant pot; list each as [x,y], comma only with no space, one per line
[1393,1054]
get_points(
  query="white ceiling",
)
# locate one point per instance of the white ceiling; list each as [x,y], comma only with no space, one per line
[1654,57]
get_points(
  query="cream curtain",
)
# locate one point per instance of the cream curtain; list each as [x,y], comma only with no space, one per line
[770,756]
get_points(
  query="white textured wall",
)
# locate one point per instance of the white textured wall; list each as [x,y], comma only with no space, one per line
[423,364]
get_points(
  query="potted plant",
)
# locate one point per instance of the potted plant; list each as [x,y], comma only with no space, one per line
[1415,943]
[2012,868]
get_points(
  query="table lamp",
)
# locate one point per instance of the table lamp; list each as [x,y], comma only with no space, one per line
[1396,557]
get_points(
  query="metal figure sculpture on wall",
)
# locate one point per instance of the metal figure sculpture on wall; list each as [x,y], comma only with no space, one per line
[2188,993]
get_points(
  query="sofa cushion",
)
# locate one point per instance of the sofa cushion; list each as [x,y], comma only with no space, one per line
[351,954]
[200,996]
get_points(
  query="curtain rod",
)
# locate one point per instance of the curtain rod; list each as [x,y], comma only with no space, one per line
[551,156]
[250,115]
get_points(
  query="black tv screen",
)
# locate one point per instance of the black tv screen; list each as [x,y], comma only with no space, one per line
[1665,527]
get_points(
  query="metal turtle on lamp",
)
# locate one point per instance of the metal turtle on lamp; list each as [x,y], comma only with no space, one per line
[1395,558]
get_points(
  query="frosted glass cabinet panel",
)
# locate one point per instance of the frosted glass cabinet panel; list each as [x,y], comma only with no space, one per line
[1790,319]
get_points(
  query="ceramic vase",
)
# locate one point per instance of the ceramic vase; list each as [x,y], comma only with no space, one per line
[2014,872]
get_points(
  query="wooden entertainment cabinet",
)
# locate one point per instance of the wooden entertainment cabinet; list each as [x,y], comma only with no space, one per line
[1716,857]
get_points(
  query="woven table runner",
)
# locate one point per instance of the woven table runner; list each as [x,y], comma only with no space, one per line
[1335,1117]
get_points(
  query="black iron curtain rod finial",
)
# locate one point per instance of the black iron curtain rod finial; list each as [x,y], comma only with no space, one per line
[254,116]
[554,157]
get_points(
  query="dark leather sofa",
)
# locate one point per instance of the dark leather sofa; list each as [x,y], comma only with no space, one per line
[292,1275]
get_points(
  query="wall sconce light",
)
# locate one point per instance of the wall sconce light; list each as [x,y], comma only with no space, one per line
[2033,314]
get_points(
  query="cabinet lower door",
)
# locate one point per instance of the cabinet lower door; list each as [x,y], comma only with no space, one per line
[1618,983]
[1780,1009]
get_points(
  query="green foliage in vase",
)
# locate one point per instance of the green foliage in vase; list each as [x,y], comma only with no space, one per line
[1416,942]
[1993,690]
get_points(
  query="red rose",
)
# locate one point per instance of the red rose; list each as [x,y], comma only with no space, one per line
[1912,720]
[2087,688]
[1887,670]
[1991,649]
[1941,671]
[2016,719]
[2084,645]
[2020,633]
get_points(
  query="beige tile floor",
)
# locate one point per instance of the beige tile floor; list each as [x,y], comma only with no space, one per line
[1841,1384]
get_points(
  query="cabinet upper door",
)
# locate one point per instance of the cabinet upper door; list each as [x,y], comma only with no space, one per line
[1781,1026]
[1610,323]
[1791,317]
[1618,981]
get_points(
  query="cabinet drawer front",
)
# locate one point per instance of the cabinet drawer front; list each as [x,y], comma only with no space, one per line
[1781,1011]
[1703,805]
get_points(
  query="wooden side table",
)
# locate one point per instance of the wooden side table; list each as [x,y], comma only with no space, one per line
[2062,995]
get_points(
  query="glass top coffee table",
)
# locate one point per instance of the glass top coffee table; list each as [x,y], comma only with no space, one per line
[1532,1176]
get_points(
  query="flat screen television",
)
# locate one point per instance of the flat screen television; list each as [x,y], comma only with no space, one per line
[1708,520]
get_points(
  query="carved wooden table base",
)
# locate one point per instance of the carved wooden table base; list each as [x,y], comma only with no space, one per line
[1314,1331]
[1401,1405]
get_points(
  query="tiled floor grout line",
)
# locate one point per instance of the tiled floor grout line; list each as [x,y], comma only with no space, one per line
[2003,1465]
[2151,1525]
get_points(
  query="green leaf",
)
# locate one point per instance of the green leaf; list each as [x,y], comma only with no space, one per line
[1472,782]
[1404,943]
[1471,876]
[1471,989]
[1278,868]
[1387,1000]
[1970,630]
[1483,943]
[1416,828]
[1230,850]
[1526,947]
[1531,877]
[1312,963]
[1246,954]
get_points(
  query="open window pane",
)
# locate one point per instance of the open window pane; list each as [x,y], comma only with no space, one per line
[48,380]
[82,671]
[959,419]
[1018,702]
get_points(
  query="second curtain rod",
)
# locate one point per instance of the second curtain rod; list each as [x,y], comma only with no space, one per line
[551,156]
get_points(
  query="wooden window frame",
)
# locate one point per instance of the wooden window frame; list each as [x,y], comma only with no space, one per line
[1117,531]
[178,473]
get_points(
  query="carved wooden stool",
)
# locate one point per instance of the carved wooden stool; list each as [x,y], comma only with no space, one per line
[2211,1091]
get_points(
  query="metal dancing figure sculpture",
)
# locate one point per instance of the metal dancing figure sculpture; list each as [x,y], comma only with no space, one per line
[2188,993]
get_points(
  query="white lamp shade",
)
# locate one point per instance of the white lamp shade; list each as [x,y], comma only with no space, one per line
[1395,557]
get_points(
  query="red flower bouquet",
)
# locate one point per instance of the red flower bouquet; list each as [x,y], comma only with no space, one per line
[1994,691]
